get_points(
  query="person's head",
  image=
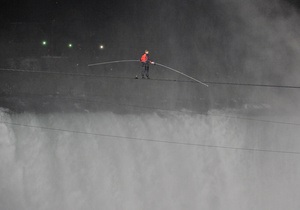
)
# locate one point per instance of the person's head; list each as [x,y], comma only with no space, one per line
[147,51]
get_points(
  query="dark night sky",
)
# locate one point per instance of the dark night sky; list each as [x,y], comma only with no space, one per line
[93,10]
[77,21]
[47,10]
[120,24]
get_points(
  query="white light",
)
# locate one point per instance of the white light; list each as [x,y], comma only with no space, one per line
[101,47]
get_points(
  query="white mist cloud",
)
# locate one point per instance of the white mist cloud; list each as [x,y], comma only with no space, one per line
[67,170]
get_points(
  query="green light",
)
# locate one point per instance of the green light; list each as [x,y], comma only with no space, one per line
[70,45]
[44,43]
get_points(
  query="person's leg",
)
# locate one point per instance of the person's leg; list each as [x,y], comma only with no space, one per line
[143,70]
[147,71]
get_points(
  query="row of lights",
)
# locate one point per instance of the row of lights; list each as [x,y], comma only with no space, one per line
[70,45]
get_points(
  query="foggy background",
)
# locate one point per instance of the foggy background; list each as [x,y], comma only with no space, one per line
[103,140]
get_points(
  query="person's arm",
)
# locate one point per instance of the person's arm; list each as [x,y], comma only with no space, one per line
[152,62]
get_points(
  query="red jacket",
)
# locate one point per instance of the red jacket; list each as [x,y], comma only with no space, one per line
[145,58]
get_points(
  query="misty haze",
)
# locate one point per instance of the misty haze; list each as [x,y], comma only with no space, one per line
[215,127]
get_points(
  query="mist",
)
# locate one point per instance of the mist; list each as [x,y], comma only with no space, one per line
[46,169]
[93,142]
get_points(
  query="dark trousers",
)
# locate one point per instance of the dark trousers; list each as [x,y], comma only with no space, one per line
[145,70]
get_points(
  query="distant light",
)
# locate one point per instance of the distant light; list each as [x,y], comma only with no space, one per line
[70,45]
[101,47]
[44,43]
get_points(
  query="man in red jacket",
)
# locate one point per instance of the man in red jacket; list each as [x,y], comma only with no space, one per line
[145,60]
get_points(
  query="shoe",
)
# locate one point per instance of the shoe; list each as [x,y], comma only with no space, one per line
[148,77]
[143,77]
